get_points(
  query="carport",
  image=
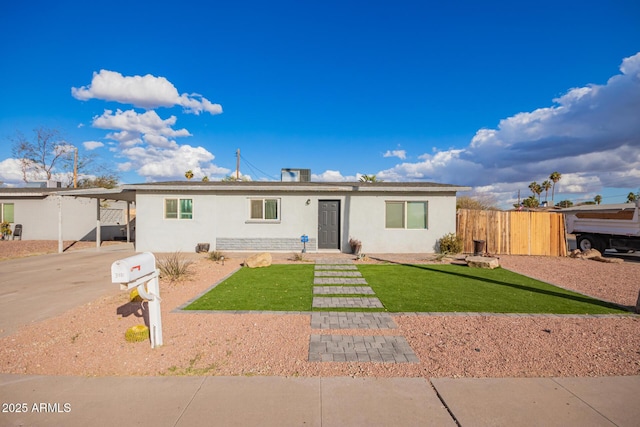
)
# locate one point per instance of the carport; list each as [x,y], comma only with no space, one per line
[100,194]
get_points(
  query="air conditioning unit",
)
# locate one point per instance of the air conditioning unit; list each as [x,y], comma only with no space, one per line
[295,175]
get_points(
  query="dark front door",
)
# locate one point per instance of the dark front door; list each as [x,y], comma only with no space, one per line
[329,224]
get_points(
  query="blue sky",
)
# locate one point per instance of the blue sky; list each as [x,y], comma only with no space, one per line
[491,95]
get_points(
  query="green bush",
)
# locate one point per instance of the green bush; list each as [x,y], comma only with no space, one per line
[174,266]
[450,244]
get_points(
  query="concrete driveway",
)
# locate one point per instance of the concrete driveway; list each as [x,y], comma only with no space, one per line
[39,287]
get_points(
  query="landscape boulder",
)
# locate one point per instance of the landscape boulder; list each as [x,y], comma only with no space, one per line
[258,260]
[593,254]
[482,262]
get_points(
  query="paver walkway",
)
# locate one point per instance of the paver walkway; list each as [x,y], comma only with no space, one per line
[370,348]
[346,302]
[351,320]
[342,290]
[339,281]
[337,275]
[324,273]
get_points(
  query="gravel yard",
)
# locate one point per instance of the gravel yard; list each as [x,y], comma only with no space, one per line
[89,340]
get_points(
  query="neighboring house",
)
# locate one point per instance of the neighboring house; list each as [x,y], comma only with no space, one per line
[41,210]
[272,216]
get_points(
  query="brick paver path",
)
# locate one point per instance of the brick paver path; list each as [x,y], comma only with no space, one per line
[346,302]
[370,348]
[339,281]
[351,320]
[342,290]
[323,273]
[342,275]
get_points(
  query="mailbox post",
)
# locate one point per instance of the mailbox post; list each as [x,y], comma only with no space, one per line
[139,271]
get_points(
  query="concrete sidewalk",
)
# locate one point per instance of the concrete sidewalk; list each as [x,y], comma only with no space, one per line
[326,402]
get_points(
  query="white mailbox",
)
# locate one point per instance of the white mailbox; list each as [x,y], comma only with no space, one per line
[139,271]
[130,269]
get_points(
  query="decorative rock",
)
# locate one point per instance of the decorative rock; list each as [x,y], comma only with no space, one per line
[482,262]
[593,254]
[258,260]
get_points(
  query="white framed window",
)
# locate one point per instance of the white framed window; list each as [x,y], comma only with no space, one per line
[6,212]
[406,215]
[267,209]
[178,208]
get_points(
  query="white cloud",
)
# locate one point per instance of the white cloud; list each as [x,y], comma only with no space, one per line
[154,163]
[92,145]
[133,125]
[334,176]
[142,91]
[401,154]
[147,143]
[11,172]
[591,135]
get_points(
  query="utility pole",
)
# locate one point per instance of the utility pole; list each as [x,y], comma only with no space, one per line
[238,165]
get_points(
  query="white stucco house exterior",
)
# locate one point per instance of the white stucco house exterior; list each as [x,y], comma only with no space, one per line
[272,216]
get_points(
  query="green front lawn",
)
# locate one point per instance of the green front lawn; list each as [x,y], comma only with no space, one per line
[277,287]
[403,288]
[445,288]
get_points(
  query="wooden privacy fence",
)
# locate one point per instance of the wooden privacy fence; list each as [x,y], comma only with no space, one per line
[513,233]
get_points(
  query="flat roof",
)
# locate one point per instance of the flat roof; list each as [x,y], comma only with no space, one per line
[296,186]
[127,192]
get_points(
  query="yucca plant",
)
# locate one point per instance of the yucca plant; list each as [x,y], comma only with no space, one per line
[174,266]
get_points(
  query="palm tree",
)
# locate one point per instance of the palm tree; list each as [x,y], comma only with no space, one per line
[546,185]
[597,199]
[369,178]
[555,177]
[205,178]
[536,189]
[631,197]
[188,174]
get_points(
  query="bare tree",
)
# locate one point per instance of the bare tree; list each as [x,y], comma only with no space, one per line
[38,157]
[479,201]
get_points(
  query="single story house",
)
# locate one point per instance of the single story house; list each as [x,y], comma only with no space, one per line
[395,217]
